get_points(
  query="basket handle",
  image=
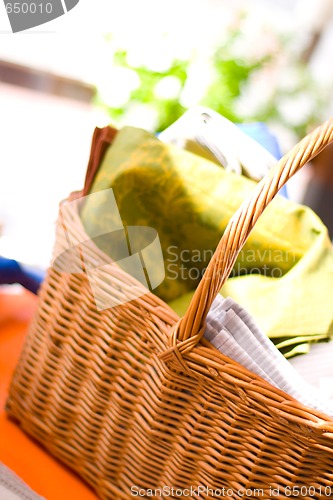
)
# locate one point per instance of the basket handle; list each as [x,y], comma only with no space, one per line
[190,328]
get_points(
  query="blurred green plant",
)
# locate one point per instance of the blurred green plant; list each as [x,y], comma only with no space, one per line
[167,109]
[291,99]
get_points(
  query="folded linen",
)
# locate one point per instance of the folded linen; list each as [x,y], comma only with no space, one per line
[232,330]
[13,488]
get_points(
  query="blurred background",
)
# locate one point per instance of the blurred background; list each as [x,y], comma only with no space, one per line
[143,64]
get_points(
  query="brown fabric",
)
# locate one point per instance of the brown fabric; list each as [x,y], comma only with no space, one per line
[102,138]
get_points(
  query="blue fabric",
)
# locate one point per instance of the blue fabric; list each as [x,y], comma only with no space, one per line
[12,272]
[261,133]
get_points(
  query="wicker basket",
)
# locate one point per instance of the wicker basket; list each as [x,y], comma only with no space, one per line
[135,400]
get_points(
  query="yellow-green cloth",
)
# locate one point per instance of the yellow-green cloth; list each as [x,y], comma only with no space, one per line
[283,276]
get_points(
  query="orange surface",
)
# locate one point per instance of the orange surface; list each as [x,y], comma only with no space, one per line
[25,457]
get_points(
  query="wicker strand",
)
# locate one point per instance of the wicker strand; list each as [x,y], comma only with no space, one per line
[241,225]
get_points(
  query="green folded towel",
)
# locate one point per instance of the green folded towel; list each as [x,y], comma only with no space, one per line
[283,276]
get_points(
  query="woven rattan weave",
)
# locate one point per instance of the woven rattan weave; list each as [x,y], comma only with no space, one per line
[134,399]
